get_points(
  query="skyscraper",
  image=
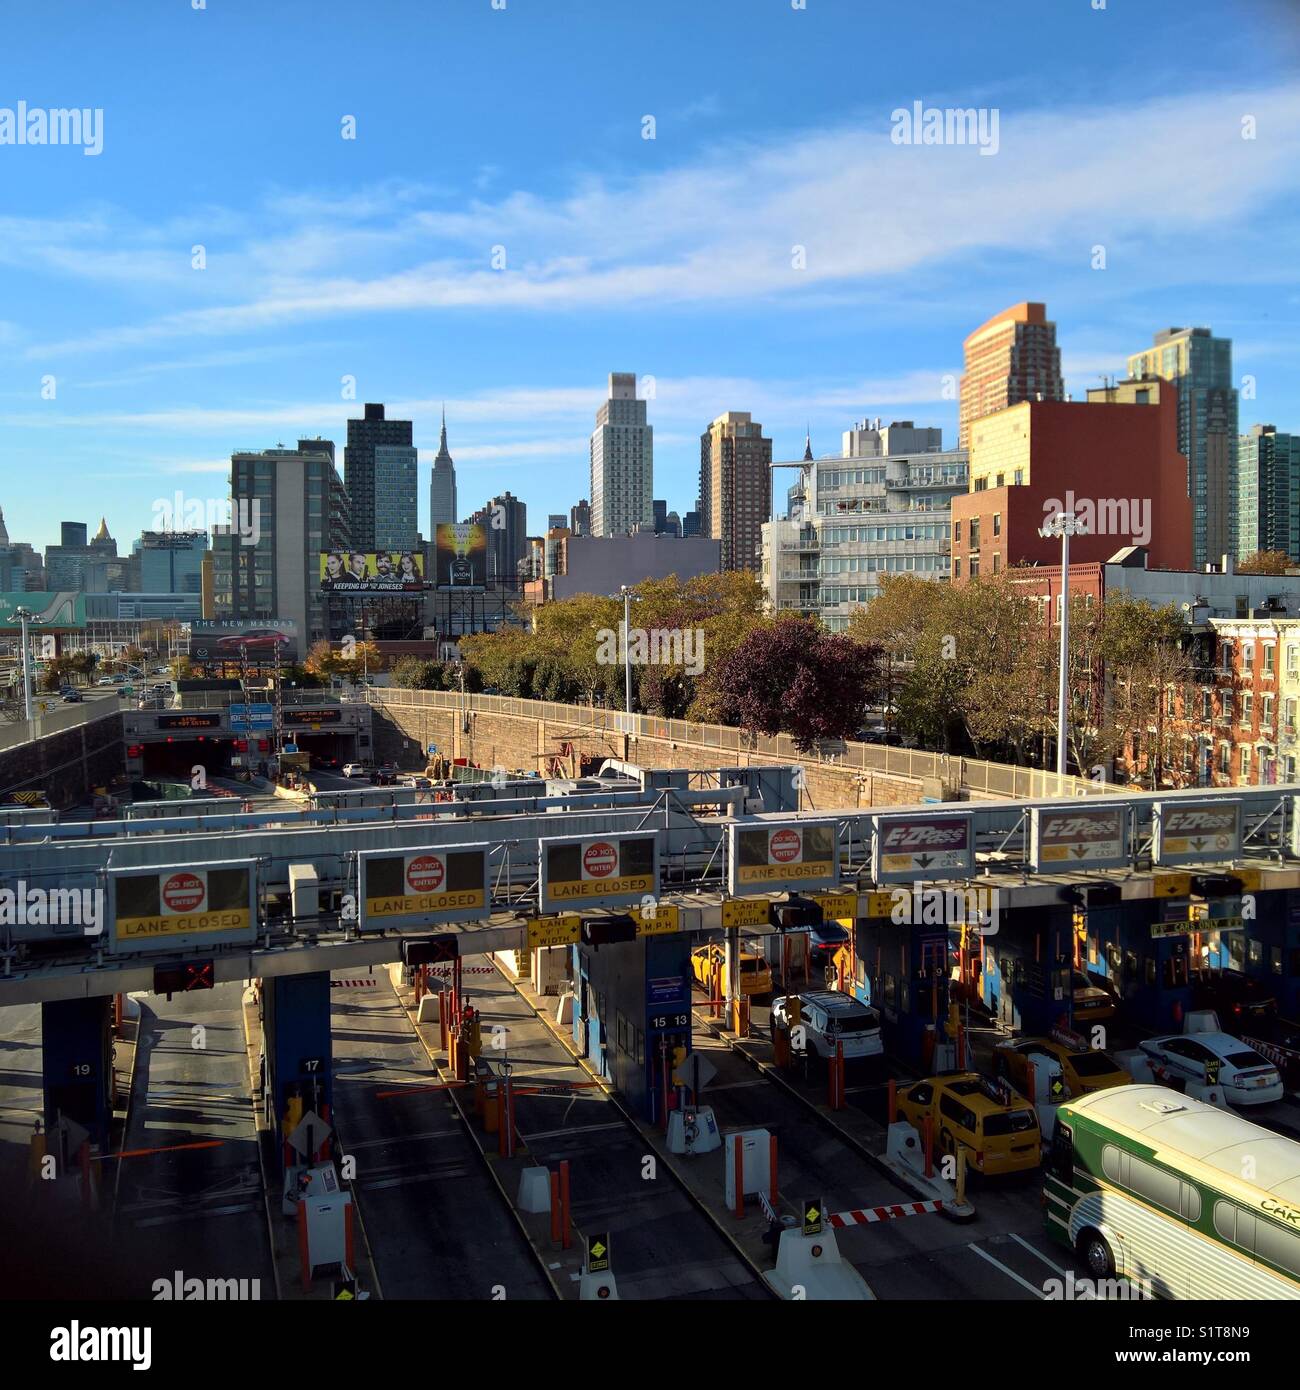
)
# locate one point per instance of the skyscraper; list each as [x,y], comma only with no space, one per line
[1268,492]
[736,488]
[580,518]
[622,461]
[442,484]
[1200,365]
[505,519]
[379,463]
[300,507]
[171,562]
[1011,358]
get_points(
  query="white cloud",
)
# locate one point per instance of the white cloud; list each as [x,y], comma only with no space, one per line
[865,210]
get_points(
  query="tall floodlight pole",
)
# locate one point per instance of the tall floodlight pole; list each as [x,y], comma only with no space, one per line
[628,599]
[1064,525]
[24,614]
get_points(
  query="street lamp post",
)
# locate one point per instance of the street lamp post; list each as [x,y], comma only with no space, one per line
[1064,525]
[24,614]
[629,598]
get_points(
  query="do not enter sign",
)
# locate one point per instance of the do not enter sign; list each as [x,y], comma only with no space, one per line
[183,892]
[425,874]
[599,860]
[785,846]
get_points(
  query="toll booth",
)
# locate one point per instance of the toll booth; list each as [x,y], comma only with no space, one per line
[77,1064]
[297,1054]
[632,1015]
[902,970]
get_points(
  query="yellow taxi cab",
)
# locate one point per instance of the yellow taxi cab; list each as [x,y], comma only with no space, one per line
[1095,999]
[1082,1068]
[998,1129]
[754,975]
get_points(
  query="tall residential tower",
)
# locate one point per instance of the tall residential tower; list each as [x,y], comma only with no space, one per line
[1011,358]
[736,488]
[1201,367]
[622,461]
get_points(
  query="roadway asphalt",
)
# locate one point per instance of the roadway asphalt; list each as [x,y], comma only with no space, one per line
[662,1245]
[200,1211]
[438,1228]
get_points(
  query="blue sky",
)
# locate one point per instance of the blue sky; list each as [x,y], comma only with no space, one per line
[522,128]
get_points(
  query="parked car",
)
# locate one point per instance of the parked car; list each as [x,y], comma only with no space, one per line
[1234,995]
[1082,1068]
[709,961]
[829,1019]
[998,1129]
[1095,997]
[825,941]
[1209,1059]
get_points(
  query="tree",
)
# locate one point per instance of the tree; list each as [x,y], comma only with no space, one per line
[411,673]
[1148,670]
[791,676]
[1265,562]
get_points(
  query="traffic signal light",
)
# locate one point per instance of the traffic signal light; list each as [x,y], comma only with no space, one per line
[1089,895]
[796,911]
[1216,885]
[430,950]
[177,979]
[608,931]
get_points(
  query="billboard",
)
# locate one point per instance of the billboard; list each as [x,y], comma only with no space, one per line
[414,888]
[908,847]
[778,855]
[598,871]
[62,612]
[181,908]
[372,572]
[460,550]
[1061,837]
[218,640]
[1193,832]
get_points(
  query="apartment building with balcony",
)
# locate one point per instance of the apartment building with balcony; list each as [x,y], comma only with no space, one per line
[854,520]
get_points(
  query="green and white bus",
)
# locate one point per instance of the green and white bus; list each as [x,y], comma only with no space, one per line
[1180,1197]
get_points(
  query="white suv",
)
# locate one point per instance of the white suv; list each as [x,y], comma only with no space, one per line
[829,1018]
[356,770]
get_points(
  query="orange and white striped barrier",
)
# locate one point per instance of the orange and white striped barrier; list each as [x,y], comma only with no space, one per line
[868,1215]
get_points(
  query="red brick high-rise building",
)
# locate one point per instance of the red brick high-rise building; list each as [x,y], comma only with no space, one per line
[1011,358]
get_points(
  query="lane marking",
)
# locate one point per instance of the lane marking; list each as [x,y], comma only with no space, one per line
[1010,1273]
[566,1130]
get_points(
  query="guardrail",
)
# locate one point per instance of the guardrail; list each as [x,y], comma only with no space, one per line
[973,774]
[57,721]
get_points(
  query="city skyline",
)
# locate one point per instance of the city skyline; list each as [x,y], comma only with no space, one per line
[327,258]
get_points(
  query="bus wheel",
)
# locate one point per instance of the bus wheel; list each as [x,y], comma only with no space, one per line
[1096,1254]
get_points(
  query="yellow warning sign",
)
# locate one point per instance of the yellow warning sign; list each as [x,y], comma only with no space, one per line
[553,931]
[880,904]
[745,912]
[1171,886]
[837,906]
[661,920]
